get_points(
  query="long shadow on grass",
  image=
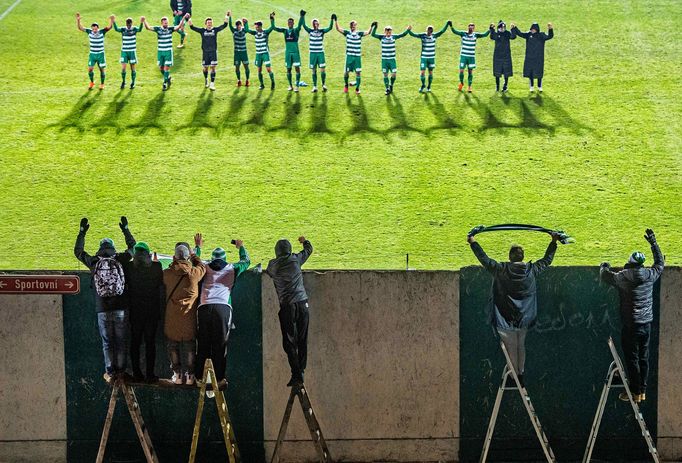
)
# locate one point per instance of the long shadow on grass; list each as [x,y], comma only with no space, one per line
[445,120]
[231,117]
[111,116]
[199,118]
[318,114]
[150,119]
[558,113]
[400,121]
[260,108]
[292,110]
[358,118]
[74,119]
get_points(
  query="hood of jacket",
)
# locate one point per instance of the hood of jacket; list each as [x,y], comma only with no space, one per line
[217,264]
[181,266]
[535,26]
[283,248]
[517,270]
[106,249]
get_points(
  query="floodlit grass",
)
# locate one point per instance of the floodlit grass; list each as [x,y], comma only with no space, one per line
[367,179]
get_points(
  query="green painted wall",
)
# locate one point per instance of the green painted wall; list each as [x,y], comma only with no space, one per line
[565,368]
[169,414]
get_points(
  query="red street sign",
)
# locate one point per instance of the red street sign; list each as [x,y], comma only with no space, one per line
[39,284]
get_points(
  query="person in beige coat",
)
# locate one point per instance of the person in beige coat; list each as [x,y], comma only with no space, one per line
[182,289]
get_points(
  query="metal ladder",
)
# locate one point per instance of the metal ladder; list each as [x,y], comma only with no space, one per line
[223,414]
[135,414]
[509,371]
[617,367]
[311,420]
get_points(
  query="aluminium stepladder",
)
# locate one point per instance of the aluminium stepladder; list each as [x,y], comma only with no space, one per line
[223,414]
[525,398]
[617,367]
[135,414]
[311,420]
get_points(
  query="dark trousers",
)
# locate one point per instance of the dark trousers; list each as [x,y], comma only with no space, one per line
[293,320]
[635,343]
[214,321]
[143,329]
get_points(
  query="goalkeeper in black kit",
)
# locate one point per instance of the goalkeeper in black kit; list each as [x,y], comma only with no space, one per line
[209,46]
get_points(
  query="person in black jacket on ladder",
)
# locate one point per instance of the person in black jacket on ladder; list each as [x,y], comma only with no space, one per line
[635,284]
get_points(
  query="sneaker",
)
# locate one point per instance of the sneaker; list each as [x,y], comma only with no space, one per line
[247,84]
[261,87]
[470,90]
[206,84]
[421,89]
[176,378]
[189,379]
[505,89]
[123,85]
[540,89]
[91,85]
[314,90]
[108,377]
[324,88]
[239,83]
[531,89]
[181,45]
[165,86]
[295,89]
[290,88]
[345,89]
[101,86]
[460,86]
[212,86]
[132,85]
[386,92]
[641,397]
[357,91]
[428,89]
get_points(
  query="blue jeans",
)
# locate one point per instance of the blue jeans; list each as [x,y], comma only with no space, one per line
[113,328]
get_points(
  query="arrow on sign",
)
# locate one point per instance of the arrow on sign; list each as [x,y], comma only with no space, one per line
[68,284]
[2,284]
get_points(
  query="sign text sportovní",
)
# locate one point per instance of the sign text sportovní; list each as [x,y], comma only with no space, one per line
[39,284]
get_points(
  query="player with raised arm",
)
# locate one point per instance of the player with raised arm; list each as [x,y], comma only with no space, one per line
[262,50]
[353,52]
[209,47]
[180,8]
[467,54]
[388,62]
[129,49]
[428,53]
[164,54]
[241,56]
[317,58]
[292,55]
[96,56]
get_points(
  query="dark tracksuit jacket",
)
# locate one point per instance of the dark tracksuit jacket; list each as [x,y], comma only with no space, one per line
[502,58]
[105,304]
[534,62]
[514,298]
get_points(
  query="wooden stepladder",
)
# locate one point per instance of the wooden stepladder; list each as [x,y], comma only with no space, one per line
[506,373]
[223,414]
[617,367]
[135,414]
[311,420]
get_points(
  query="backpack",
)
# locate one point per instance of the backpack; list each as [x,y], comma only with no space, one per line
[108,277]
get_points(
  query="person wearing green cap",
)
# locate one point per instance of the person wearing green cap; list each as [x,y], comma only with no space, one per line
[108,279]
[635,284]
[146,295]
[214,314]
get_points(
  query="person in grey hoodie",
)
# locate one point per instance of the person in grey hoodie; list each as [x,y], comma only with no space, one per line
[285,271]
[635,284]
[515,304]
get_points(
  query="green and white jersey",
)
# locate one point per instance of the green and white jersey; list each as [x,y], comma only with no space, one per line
[128,37]
[428,46]
[316,40]
[388,47]
[262,42]
[239,37]
[353,42]
[468,49]
[96,40]
[181,5]
[165,38]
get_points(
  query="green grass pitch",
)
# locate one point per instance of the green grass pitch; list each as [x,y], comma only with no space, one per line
[367,179]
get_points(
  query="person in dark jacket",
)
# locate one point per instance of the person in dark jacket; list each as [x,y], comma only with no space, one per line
[285,271]
[106,267]
[515,304]
[534,63]
[146,295]
[502,58]
[635,284]
[180,9]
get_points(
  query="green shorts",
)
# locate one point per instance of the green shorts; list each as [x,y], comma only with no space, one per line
[389,66]
[164,58]
[427,63]
[177,20]
[467,62]
[292,58]
[129,57]
[262,59]
[98,59]
[353,63]
[317,59]
[241,57]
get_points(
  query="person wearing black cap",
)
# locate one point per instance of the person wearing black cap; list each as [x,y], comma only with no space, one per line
[514,298]
[635,284]
[146,296]
[502,58]
[285,271]
[534,62]
[108,280]
[215,308]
